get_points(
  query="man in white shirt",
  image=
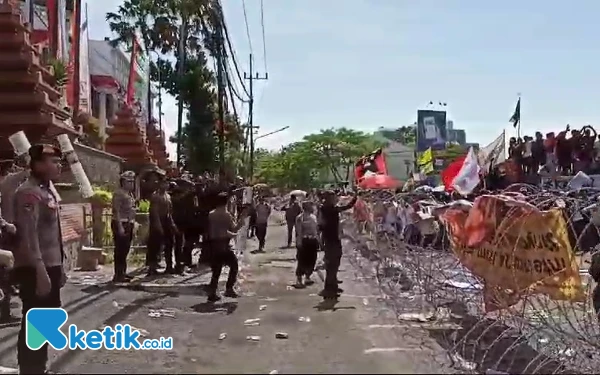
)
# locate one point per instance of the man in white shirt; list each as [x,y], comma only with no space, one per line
[307,243]
[263,211]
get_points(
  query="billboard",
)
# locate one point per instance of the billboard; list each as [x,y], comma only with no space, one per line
[431,129]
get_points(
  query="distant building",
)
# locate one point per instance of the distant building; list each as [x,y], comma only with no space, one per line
[399,158]
[457,135]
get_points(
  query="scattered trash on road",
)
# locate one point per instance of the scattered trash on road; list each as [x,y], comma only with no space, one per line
[416,317]
[222,336]
[274,372]
[289,287]
[281,335]
[253,338]
[269,299]
[252,322]
[365,301]
[262,307]
[115,304]
[305,319]
[462,363]
[161,313]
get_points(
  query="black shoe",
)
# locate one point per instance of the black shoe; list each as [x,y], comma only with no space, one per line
[169,270]
[340,290]
[127,277]
[152,272]
[214,298]
[340,282]
[308,281]
[230,293]
[120,279]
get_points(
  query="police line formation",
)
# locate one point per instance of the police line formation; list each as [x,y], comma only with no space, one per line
[513,243]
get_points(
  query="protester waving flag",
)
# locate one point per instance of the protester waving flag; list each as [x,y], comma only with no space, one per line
[371,164]
[425,162]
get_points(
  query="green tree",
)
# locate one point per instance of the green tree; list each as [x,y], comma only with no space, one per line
[316,159]
[405,134]
[159,23]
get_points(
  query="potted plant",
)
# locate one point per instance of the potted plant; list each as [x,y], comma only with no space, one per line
[100,200]
[58,69]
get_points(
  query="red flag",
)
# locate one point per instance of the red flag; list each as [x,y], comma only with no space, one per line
[452,171]
[374,163]
[132,73]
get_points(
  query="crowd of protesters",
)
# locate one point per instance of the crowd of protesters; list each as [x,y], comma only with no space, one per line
[565,153]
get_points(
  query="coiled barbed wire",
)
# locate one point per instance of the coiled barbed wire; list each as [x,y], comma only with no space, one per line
[428,286]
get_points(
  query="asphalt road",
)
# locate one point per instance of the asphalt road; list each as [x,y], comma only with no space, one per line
[357,335]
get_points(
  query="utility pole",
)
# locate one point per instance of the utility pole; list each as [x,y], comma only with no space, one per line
[220,96]
[180,71]
[251,77]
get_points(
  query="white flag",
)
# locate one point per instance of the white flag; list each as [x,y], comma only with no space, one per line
[493,153]
[467,178]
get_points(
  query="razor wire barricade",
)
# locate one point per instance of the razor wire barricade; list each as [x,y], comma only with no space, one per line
[550,326]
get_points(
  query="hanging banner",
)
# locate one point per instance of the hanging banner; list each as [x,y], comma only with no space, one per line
[63,35]
[84,68]
[431,130]
[75,39]
[515,248]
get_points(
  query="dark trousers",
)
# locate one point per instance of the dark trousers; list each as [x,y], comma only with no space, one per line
[34,361]
[221,255]
[261,234]
[306,256]
[157,243]
[6,286]
[290,232]
[252,225]
[122,244]
[333,257]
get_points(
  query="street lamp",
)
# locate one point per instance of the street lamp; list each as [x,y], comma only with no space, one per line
[254,142]
[271,133]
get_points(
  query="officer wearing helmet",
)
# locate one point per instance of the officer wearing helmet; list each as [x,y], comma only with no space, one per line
[122,224]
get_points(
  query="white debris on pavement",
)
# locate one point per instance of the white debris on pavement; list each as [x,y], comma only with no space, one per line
[305,319]
[262,307]
[161,313]
[252,322]
[253,338]
[222,336]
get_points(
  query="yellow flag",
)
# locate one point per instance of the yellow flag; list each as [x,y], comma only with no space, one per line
[425,162]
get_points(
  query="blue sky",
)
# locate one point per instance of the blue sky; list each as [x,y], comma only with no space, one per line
[370,63]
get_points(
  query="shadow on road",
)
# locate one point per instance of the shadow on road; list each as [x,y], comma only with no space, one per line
[211,307]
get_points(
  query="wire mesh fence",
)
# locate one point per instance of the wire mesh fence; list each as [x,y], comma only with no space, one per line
[429,284]
[98,227]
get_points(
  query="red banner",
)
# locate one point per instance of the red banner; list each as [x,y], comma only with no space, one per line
[132,73]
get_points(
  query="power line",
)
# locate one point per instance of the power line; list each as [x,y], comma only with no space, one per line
[247,26]
[264,40]
[231,54]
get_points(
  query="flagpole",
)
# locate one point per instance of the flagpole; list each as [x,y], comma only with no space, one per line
[519,124]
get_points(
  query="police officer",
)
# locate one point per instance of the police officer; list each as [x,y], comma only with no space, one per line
[185,205]
[162,228]
[122,224]
[38,252]
[9,185]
